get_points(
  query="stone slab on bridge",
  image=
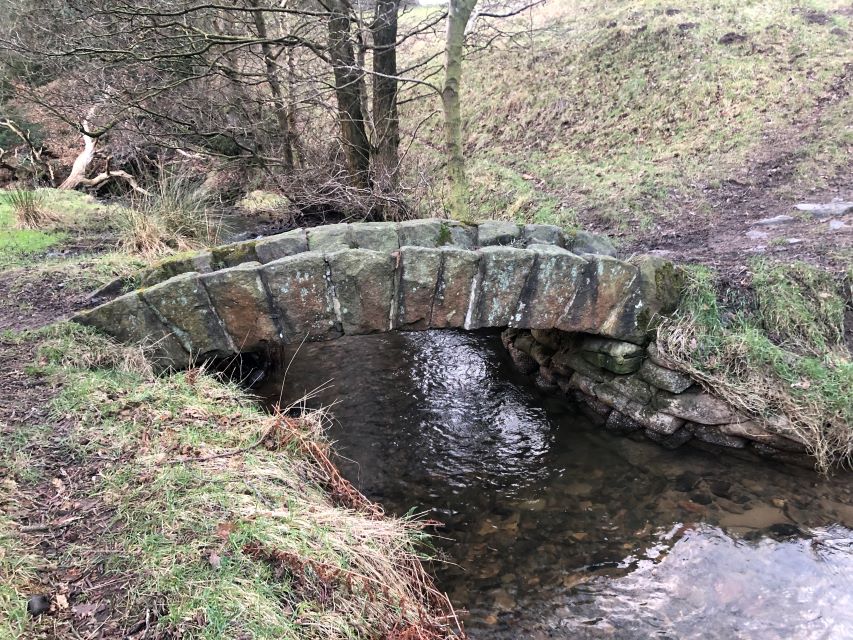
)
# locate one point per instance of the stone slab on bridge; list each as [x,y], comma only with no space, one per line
[363,278]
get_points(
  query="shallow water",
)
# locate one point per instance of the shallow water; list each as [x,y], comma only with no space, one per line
[557,529]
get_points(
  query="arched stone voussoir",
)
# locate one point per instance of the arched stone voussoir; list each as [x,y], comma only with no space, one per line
[418,272]
[183,305]
[500,280]
[363,289]
[129,320]
[302,297]
[455,288]
[241,301]
[555,279]
[599,303]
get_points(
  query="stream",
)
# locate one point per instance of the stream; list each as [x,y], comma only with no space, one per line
[555,528]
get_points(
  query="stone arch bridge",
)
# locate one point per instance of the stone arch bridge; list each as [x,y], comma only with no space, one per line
[363,278]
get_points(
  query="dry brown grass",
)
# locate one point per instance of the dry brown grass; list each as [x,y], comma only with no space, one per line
[802,394]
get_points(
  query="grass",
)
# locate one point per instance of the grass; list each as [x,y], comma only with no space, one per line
[177,215]
[220,521]
[627,111]
[17,244]
[781,358]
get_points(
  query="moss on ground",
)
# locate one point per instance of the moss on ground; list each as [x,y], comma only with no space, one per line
[216,519]
[776,351]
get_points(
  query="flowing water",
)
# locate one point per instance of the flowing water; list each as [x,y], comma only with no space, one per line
[557,529]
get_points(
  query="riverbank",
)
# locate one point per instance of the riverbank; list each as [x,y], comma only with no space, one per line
[144,506]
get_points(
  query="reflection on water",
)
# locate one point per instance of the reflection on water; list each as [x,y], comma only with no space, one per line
[557,529]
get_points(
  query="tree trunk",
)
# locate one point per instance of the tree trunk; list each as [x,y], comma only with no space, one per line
[386,121]
[281,110]
[81,162]
[348,89]
[459,12]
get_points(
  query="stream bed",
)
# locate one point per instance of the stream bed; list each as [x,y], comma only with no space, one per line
[555,528]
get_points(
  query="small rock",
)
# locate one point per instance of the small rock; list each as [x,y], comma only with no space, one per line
[780,219]
[784,530]
[38,605]
[585,242]
[701,497]
[778,502]
[755,234]
[825,209]
[721,488]
[686,481]
[838,225]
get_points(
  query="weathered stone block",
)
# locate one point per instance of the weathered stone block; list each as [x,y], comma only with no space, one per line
[363,284]
[240,299]
[502,276]
[696,406]
[524,342]
[200,262]
[129,320]
[554,281]
[645,415]
[615,348]
[654,354]
[423,233]
[670,441]
[712,435]
[598,306]
[497,232]
[418,273]
[281,245]
[661,283]
[459,271]
[618,422]
[328,238]
[614,364]
[543,234]
[584,242]
[230,255]
[376,236]
[753,431]
[302,296]
[663,378]
[567,361]
[460,235]
[183,305]
[522,361]
[633,388]
[541,354]
[552,338]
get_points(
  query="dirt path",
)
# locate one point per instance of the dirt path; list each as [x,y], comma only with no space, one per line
[48,482]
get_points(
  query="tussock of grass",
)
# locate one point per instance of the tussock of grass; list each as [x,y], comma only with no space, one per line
[176,216]
[30,209]
[782,362]
[225,522]
[16,243]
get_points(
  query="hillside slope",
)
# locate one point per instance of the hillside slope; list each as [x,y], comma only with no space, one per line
[672,127]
